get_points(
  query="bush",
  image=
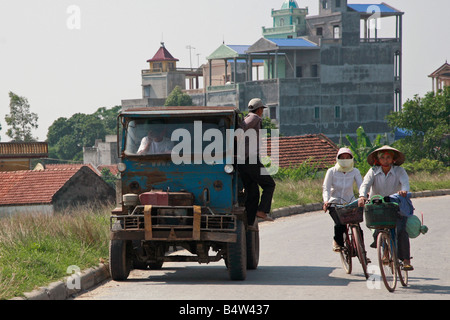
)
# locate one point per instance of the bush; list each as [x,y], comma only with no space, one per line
[426,165]
[306,170]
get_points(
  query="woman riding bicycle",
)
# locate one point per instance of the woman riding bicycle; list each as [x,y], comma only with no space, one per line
[386,178]
[338,188]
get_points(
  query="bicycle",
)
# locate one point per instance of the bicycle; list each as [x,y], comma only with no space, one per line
[382,216]
[351,215]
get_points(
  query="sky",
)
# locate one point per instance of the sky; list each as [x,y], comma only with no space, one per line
[70,56]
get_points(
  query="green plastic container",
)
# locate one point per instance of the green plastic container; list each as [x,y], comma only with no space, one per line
[414,227]
[379,214]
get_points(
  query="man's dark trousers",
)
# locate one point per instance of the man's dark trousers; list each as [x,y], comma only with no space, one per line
[252,178]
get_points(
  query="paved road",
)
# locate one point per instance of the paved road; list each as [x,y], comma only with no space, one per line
[297,262]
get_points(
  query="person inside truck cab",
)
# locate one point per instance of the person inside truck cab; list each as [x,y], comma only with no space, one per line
[155,142]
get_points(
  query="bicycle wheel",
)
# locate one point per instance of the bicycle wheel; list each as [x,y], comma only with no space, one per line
[360,249]
[346,254]
[402,274]
[387,261]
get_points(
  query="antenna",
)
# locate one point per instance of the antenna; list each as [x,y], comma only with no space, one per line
[190,48]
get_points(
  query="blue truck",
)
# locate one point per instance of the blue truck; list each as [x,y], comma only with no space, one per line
[180,189]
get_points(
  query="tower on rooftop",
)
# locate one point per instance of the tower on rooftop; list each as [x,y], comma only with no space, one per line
[163,61]
[288,22]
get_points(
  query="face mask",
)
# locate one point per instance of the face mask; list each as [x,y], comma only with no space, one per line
[345,163]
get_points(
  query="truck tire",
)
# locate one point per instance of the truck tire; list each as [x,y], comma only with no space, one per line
[253,246]
[120,259]
[237,254]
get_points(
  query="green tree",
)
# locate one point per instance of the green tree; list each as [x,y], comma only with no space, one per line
[20,119]
[178,98]
[109,178]
[109,118]
[67,136]
[427,121]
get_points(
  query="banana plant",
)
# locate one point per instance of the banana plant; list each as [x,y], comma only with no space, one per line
[362,147]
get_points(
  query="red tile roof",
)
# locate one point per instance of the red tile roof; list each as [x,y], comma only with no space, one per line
[33,187]
[162,55]
[298,149]
[66,166]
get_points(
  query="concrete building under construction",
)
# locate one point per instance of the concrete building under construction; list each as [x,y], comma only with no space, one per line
[329,73]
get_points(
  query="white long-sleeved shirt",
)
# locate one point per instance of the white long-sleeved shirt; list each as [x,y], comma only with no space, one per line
[382,184]
[155,147]
[338,186]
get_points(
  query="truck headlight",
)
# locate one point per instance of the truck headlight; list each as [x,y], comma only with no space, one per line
[121,167]
[229,168]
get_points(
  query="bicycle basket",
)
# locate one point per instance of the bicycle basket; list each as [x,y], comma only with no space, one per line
[349,215]
[381,215]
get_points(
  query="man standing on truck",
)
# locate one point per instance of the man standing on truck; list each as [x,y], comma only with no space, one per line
[252,172]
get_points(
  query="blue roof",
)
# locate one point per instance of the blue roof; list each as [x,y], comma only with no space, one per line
[296,42]
[369,8]
[240,49]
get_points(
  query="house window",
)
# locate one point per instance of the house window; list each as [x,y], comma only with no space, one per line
[336,32]
[316,113]
[397,66]
[337,112]
[319,31]
[157,66]
[146,91]
[314,71]
[338,3]
[281,22]
[299,72]
[273,113]
[325,4]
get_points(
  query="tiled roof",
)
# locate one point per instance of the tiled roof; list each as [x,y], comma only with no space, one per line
[33,187]
[298,149]
[67,166]
[162,55]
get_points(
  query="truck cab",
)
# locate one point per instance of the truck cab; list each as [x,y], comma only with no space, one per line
[180,188]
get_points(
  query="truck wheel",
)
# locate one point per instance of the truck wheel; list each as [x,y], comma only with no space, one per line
[156,265]
[119,259]
[253,246]
[237,254]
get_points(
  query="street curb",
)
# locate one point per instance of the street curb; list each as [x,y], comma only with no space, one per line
[299,209]
[93,276]
[60,290]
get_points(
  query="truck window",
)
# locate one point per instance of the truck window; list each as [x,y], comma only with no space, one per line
[145,137]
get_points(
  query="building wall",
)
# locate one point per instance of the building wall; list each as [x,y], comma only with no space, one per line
[160,85]
[103,153]
[6,211]
[15,164]
[83,188]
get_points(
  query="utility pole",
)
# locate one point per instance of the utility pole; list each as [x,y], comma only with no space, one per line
[190,48]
